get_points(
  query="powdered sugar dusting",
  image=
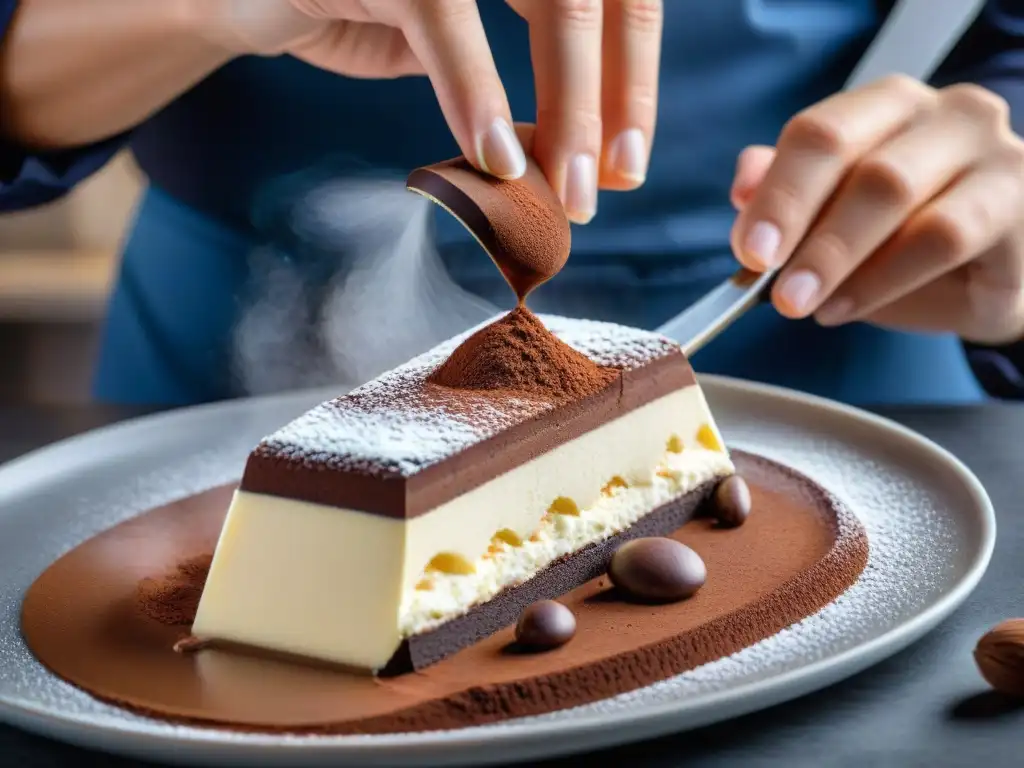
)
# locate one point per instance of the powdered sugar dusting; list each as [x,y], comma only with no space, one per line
[397,425]
[609,344]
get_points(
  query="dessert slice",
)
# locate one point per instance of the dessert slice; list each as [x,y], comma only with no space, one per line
[418,514]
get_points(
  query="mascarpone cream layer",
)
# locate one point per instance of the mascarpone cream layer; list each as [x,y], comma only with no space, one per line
[340,585]
[451,595]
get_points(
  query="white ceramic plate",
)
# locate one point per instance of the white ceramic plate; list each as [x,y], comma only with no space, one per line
[930,524]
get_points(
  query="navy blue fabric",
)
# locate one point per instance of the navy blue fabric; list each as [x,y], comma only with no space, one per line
[168,338]
[7,9]
[999,369]
[740,67]
[31,179]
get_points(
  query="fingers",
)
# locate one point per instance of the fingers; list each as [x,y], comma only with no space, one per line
[925,310]
[751,168]
[815,150]
[586,136]
[881,191]
[448,38]
[631,55]
[995,311]
[565,45]
[966,220]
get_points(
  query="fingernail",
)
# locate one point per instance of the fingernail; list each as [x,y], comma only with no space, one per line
[835,311]
[762,244]
[627,155]
[500,152]
[581,189]
[799,289]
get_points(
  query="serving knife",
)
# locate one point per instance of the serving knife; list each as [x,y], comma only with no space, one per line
[915,39]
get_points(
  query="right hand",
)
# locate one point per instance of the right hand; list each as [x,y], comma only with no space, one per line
[595,67]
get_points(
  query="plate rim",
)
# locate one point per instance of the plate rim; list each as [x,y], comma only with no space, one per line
[531,740]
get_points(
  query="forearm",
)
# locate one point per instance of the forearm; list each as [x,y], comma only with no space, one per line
[73,72]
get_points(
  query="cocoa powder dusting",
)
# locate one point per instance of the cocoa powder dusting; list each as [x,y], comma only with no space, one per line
[174,598]
[534,236]
[517,356]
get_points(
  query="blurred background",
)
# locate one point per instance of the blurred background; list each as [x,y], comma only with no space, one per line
[57,265]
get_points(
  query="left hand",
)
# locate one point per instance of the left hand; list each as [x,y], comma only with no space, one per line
[896,204]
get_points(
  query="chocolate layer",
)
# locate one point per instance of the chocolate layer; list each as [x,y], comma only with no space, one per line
[798,551]
[559,578]
[503,433]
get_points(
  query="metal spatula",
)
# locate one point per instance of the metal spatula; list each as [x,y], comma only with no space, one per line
[916,37]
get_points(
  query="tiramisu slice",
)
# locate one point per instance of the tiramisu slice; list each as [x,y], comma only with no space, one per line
[390,527]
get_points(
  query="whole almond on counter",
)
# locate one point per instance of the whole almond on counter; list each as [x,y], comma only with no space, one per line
[1000,657]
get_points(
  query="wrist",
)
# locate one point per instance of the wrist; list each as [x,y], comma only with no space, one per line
[1002,314]
[998,363]
[249,27]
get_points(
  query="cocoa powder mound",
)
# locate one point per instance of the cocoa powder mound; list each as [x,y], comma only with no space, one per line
[174,598]
[516,355]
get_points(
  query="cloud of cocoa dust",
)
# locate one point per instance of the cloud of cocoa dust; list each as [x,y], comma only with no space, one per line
[348,284]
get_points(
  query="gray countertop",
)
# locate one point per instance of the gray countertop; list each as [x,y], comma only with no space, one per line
[926,706]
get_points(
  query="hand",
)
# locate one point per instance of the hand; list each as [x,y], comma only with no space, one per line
[595,65]
[897,204]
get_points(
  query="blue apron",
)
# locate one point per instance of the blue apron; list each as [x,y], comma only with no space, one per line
[733,71]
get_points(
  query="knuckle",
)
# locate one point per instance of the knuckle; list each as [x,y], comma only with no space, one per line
[948,236]
[816,132]
[446,11]
[906,86]
[642,15]
[642,103]
[830,252]
[455,7]
[1012,156]
[977,102]
[573,123]
[581,13]
[877,178]
[1006,190]
[781,205]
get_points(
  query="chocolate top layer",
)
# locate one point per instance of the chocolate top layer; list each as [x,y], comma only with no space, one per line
[399,446]
[521,224]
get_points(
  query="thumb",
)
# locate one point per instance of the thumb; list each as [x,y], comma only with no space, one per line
[751,168]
